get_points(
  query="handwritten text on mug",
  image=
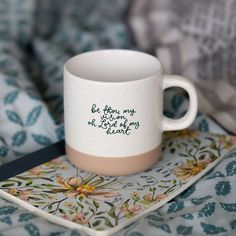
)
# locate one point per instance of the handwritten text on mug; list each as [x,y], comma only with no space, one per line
[113,121]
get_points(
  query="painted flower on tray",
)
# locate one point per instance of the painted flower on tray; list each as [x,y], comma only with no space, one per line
[186,133]
[150,198]
[12,191]
[227,141]
[22,194]
[77,217]
[136,208]
[160,197]
[68,204]
[80,218]
[47,168]
[35,171]
[190,168]
[128,210]
[51,197]
[79,188]
[25,194]
[66,217]
[56,164]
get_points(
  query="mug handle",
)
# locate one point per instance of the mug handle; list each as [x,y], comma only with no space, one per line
[188,118]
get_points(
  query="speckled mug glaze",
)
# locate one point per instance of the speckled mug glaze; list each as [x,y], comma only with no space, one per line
[113,106]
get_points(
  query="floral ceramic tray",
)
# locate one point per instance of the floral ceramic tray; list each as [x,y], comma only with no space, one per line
[101,205]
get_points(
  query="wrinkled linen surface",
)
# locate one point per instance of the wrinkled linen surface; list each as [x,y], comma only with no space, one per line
[195,39]
[36,38]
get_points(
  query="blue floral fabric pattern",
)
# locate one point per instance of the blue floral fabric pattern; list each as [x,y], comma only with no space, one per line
[36,38]
[206,208]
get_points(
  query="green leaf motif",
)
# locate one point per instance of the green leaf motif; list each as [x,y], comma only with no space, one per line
[112,212]
[203,126]
[207,210]
[198,201]
[223,188]
[19,138]
[17,154]
[11,97]
[188,216]
[154,217]
[3,151]
[2,140]
[41,139]
[96,223]
[24,217]
[58,106]
[54,234]
[229,207]
[33,115]
[32,230]
[187,193]
[232,154]
[164,227]
[5,210]
[134,234]
[96,204]
[60,132]
[176,101]
[213,145]
[62,211]
[7,185]
[14,117]
[184,230]
[172,150]
[1,234]
[233,224]
[74,233]
[11,82]
[169,114]
[175,206]
[212,229]
[108,223]
[33,94]
[6,220]
[217,174]
[231,168]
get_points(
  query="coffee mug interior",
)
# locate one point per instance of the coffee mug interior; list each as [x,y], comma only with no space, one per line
[113,65]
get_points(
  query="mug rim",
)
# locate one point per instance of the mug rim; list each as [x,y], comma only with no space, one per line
[158,71]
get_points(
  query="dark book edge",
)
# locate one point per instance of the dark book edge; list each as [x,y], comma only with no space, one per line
[32,160]
[221,126]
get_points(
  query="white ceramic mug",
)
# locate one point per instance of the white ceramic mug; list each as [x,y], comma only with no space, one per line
[113,104]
